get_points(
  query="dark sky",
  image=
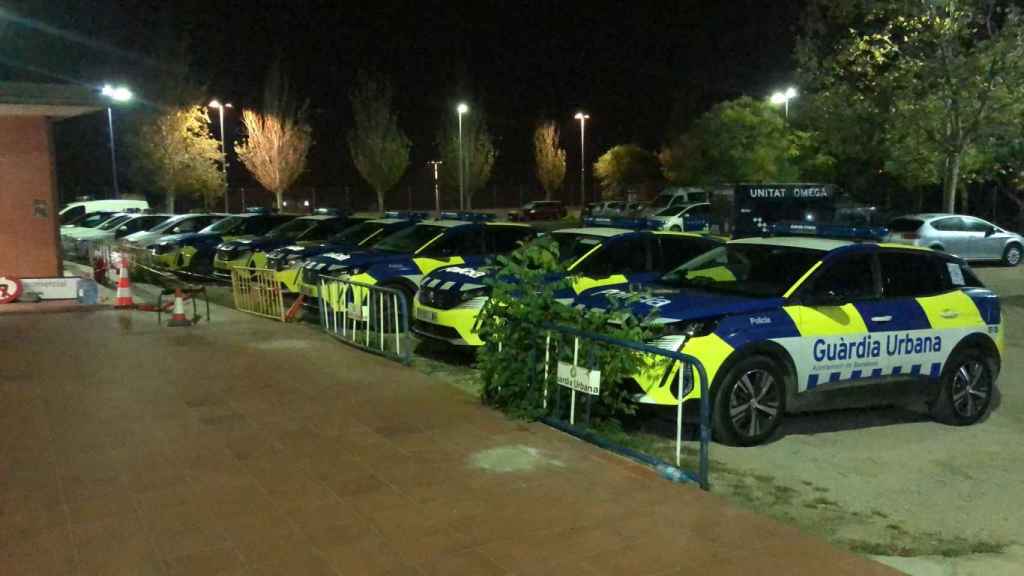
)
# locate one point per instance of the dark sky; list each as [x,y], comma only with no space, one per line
[637,68]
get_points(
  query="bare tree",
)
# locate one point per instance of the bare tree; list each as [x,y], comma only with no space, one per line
[277,140]
[379,148]
[550,158]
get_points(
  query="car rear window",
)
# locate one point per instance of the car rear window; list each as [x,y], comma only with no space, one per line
[904,225]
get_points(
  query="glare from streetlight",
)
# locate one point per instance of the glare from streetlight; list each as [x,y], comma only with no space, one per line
[790,93]
[581,116]
[216,104]
[117,93]
[778,98]
[462,108]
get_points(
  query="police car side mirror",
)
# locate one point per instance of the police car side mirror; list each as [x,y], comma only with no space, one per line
[990,231]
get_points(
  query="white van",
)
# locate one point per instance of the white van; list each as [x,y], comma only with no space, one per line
[671,197]
[76,209]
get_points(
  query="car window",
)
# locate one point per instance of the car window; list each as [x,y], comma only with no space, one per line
[675,250]
[325,229]
[975,225]
[748,269]
[465,242]
[904,225]
[697,196]
[623,256]
[952,224]
[71,214]
[847,279]
[502,239]
[910,274]
[699,211]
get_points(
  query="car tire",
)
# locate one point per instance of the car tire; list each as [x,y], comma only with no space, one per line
[965,388]
[749,402]
[676,229]
[1012,255]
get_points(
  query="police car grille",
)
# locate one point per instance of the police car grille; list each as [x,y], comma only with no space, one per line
[442,299]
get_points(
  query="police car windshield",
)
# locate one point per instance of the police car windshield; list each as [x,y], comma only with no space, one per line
[356,234]
[292,230]
[673,211]
[760,270]
[112,223]
[572,246]
[94,219]
[225,225]
[411,239]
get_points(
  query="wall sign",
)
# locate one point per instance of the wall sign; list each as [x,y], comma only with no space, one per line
[63,288]
[40,209]
[579,378]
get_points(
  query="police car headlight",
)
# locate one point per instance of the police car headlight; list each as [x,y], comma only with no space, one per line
[692,329]
[467,295]
[291,257]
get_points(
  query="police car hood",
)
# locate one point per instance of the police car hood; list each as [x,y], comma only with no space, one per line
[180,239]
[675,304]
[457,278]
[315,249]
[261,243]
[359,258]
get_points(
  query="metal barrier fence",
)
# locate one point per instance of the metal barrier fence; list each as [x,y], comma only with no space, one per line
[571,359]
[374,318]
[256,291]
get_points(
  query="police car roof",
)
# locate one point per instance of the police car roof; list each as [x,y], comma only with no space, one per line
[595,231]
[453,223]
[320,217]
[385,221]
[823,244]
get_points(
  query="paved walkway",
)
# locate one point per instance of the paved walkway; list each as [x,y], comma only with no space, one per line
[251,447]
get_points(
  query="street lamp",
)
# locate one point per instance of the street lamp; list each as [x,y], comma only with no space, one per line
[583,156]
[437,189]
[462,108]
[117,94]
[784,98]
[223,153]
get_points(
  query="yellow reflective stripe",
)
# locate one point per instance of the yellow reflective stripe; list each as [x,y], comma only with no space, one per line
[951,310]
[584,257]
[711,350]
[826,320]
[367,239]
[801,280]
[429,242]
[428,265]
[581,283]
[718,274]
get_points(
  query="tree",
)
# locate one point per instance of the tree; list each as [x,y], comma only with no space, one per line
[624,169]
[940,74]
[550,158]
[179,155]
[277,140]
[379,148]
[681,160]
[478,152]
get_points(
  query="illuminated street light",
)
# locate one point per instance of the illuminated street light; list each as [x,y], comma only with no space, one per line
[784,98]
[117,94]
[583,157]
[462,108]
[223,153]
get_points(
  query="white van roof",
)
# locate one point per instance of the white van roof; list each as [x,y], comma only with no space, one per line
[97,205]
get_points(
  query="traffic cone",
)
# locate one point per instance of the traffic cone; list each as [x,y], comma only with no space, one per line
[178,318]
[124,290]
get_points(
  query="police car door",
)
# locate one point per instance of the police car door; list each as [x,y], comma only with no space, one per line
[835,344]
[929,310]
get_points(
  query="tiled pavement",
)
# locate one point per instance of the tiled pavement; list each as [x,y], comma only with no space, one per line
[249,447]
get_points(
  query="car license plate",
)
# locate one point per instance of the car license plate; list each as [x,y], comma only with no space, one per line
[426,315]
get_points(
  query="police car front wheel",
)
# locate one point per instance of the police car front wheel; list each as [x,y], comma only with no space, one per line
[750,402]
[965,389]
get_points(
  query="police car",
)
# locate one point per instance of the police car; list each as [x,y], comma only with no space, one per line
[303,231]
[194,252]
[784,324]
[287,261]
[401,260]
[688,217]
[450,299]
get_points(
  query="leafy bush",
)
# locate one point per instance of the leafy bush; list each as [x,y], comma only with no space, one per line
[523,301]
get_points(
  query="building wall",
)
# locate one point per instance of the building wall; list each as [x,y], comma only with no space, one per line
[28,193]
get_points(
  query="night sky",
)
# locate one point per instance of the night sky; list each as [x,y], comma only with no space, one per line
[639,69]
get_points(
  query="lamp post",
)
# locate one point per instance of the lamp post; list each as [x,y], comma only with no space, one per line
[437,189]
[583,157]
[784,98]
[462,108]
[117,94]
[223,151]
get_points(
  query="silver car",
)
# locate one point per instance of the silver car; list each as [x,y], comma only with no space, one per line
[966,236]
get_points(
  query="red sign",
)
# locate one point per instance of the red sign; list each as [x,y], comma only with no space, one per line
[10,289]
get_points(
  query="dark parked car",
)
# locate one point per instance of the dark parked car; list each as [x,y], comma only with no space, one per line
[539,210]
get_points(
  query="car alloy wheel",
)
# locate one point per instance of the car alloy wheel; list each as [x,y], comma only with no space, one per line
[1012,256]
[754,403]
[971,388]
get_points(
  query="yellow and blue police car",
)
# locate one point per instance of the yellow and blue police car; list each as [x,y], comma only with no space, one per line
[194,252]
[450,299]
[287,261]
[793,323]
[401,260]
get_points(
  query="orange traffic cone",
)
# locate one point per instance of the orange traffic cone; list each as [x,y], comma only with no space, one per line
[178,318]
[124,289]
